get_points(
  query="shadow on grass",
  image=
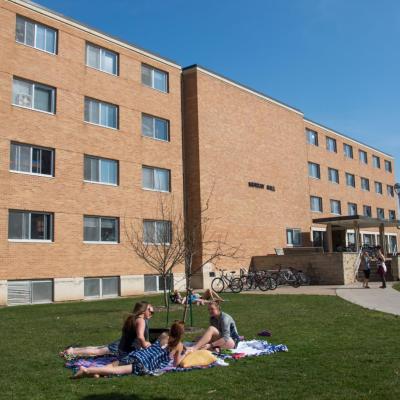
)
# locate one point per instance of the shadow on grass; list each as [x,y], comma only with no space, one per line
[119,396]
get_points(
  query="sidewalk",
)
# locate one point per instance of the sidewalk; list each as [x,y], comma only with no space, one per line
[385,300]
[326,290]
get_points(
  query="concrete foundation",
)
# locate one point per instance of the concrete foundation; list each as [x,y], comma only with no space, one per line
[131,285]
[3,293]
[66,289]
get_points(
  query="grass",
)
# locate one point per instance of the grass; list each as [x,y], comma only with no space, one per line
[396,286]
[336,351]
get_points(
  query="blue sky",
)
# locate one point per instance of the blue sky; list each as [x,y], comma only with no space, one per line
[338,61]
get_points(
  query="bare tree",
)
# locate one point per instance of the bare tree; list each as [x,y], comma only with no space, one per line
[203,245]
[160,242]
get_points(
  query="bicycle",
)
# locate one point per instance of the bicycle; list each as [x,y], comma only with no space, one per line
[225,281]
[286,276]
[259,279]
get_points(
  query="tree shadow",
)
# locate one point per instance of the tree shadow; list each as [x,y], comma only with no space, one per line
[119,396]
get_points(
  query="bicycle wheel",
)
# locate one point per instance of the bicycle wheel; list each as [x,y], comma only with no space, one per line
[272,283]
[304,279]
[277,278]
[236,285]
[263,283]
[218,285]
[247,282]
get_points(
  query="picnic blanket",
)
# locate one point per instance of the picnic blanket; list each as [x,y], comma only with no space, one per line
[245,348]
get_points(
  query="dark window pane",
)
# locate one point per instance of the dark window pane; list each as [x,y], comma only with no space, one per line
[108,230]
[36,155]
[43,98]
[146,76]
[46,162]
[92,287]
[161,129]
[38,227]
[20,30]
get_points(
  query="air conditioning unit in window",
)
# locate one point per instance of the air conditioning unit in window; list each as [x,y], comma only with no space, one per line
[24,100]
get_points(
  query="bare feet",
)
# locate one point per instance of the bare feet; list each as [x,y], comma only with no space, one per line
[67,352]
[82,372]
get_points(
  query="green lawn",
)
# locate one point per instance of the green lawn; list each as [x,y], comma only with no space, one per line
[336,351]
[396,286]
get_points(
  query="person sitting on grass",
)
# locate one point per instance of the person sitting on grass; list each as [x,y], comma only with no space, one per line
[222,332]
[135,336]
[211,295]
[168,347]
[208,296]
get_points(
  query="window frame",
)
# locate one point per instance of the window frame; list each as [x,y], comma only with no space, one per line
[155,221]
[337,174]
[308,132]
[376,162]
[321,208]
[310,168]
[101,295]
[348,174]
[51,235]
[390,190]
[102,49]
[378,184]
[348,146]
[365,162]
[34,85]
[102,241]
[349,204]
[333,201]
[365,207]
[154,118]
[378,209]
[100,103]
[100,159]
[331,140]
[34,39]
[154,169]
[365,180]
[292,230]
[392,213]
[32,147]
[153,69]
[388,166]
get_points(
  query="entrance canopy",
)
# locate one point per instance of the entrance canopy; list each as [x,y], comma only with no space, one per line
[356,222]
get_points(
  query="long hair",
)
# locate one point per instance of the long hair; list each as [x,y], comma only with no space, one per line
[129,324]
[176,333]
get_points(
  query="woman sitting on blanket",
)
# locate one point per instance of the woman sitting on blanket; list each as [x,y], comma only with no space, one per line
[135,336]
[168,347]
[222,332]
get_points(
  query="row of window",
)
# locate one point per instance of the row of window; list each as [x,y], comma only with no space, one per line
[336,208]
[42,291]
[39,226]
[42,37]
[314,171]
[331,146]
[41,161]
[41,97]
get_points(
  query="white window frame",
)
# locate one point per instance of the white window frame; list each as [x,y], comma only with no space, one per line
[154,169]
[315,133]
[101,295]
[154,118]
[34,39]
[31,158]
[329,176]
[376,162]
[354,180]
[34,84]
[102,50]
[31,282]
[378,184]
[350,147]
[100,241]
[348,208]
[287,237]
[99,182]
[318,169]
[331,140]
[319,202]
[362,179]
[30,223]
[155,232]
[360,158]
[152,86]
[331,201]
[100,108]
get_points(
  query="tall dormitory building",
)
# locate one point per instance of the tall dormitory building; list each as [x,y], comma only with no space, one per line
[91,136]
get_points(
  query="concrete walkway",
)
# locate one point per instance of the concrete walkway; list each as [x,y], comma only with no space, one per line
[385,300]
[326,290]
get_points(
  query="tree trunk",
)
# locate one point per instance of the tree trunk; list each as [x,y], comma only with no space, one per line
[165,276]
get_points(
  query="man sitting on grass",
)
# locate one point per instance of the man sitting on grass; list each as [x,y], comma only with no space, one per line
[222,332]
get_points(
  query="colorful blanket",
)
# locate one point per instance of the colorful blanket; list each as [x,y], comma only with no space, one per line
[246,348]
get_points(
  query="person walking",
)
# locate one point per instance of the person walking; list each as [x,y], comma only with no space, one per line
[382,269]
[366,261]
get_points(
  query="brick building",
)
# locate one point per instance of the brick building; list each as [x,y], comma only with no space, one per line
[91,135]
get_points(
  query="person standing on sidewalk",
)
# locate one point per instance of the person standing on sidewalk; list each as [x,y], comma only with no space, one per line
[381,266]
[366,260]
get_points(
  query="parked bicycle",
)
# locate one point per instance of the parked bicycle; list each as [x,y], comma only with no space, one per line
[258,279]
[287,276]
[227,281]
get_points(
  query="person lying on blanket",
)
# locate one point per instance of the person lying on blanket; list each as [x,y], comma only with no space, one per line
[135,336]
[168,347]
[222,332]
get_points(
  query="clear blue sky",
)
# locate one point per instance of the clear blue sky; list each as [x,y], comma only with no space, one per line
[336,60]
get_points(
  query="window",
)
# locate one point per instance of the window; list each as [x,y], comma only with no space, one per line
[388,166]
[368,239]
[29,292]
[36,35]
[348,150]
[319,239]
[316,203]
[100,170]
[156,128]
[34,95]
[350,180]
[155,283]
[365,184]
[156,179]
[363,156]
[31,159]
[392,244]
[154,78]
[367,211]
[293,237]
[30,225]
[380,213]
[156,232]
[390,190]
[314,170]
[100,229]
[352,209]
[378,188]
[312,137]
[331,144]
[392,215]
[101,287]
[101,59]
[100,113]
[336,207]
[333,175]
[376,162]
